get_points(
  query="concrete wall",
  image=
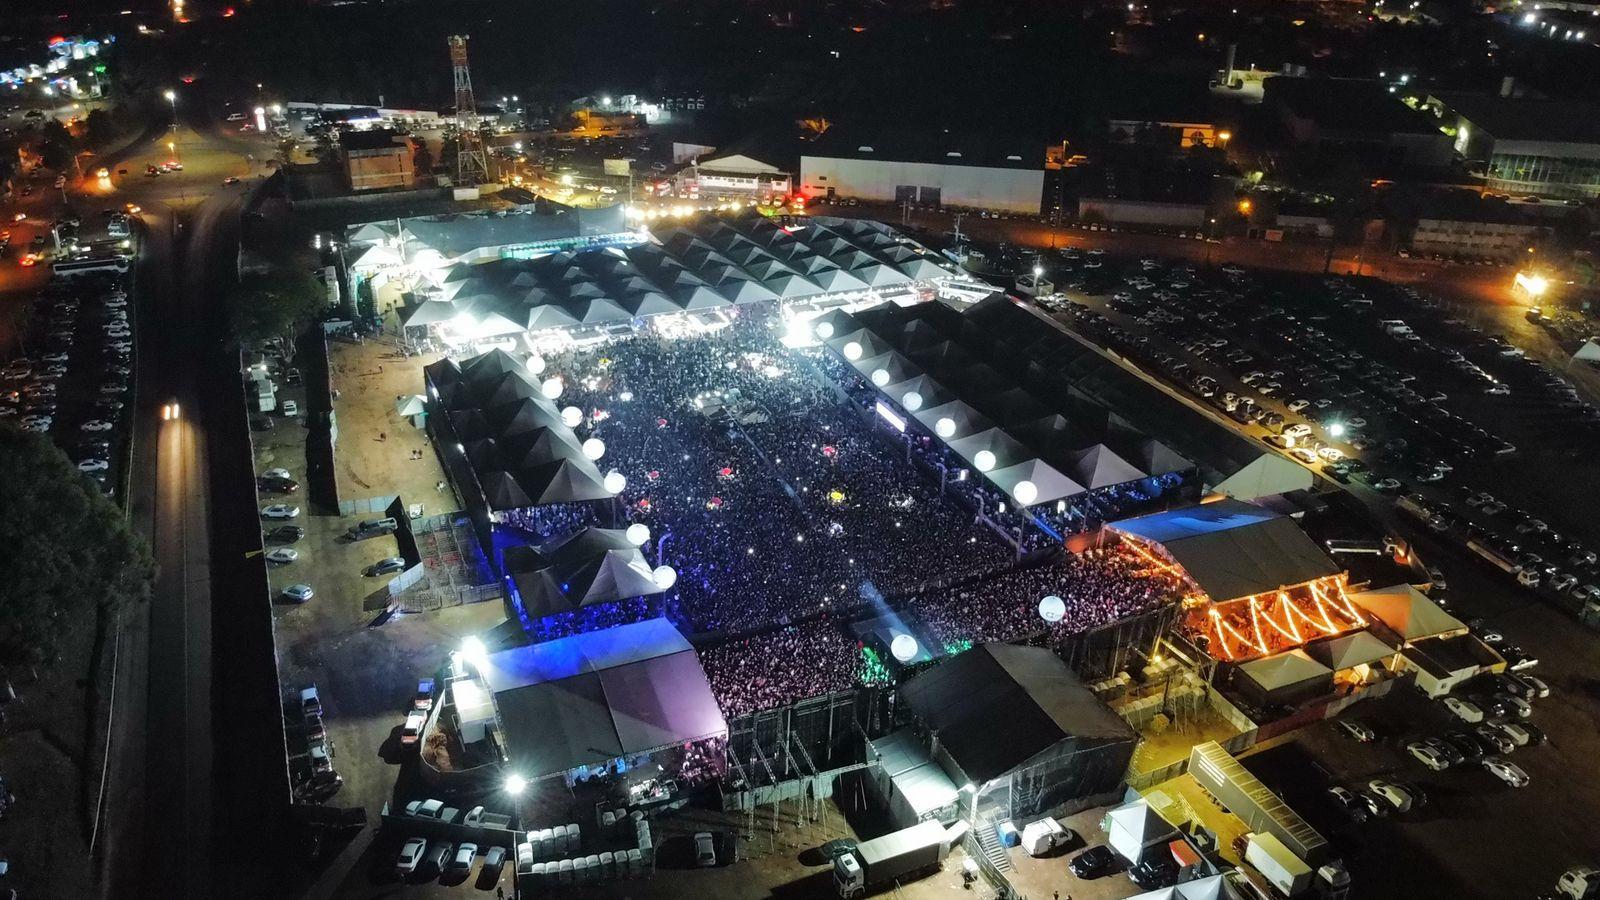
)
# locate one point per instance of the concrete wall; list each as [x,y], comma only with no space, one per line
[978,187]
[1142,212]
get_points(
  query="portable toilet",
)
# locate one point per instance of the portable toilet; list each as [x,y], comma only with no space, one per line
[596,874]
[608,865]
[580,870]
[537,872]
[574,837]
[635,863]
[564,871]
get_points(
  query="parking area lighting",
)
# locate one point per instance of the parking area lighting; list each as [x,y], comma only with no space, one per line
[516,784]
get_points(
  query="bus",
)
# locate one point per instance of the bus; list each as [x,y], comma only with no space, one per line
[71,268]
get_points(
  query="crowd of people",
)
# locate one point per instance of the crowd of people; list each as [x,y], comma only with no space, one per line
[1096,587]
[780,667]
[780,505]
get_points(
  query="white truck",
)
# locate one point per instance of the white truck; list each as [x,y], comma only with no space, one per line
[1580,883]
[1287,872]
[1043,836]
[904,855]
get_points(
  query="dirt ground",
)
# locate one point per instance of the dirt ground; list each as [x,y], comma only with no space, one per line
[376,447]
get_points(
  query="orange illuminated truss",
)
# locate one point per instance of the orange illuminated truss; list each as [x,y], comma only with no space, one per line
[1275,621]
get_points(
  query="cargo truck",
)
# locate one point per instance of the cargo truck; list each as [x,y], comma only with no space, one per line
[1287,872]
[903,855]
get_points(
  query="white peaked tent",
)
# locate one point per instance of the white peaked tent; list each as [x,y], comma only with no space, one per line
[1589,352]
[967,421]
[1210,887]
[1048,483]
[1008,451]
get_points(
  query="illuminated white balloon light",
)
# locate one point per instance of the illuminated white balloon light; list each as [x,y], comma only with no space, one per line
[945,427]
[1025,492]
[638,533]
[572,417]
[824,330]
[852,351]
[904,647]
[615,481]
[912,401]
[594,448]
[551,388]
[880,377]
[535,364]
[1052,609]
[984,460]
[664,577]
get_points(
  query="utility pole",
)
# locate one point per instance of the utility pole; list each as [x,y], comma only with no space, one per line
[472,163]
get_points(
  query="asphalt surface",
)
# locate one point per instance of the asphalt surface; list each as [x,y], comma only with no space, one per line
[168,721]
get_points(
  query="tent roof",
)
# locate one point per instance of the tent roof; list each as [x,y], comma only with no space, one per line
[1233,549]
[1284,669]
[1349,650]
[593,697]
[997,705]
[1408,612]
[584,568]
[1047,480]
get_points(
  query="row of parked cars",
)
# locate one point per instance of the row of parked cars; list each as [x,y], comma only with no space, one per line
[1495,716]
[78,373]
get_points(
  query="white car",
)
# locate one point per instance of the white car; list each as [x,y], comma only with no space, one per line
[1464,710]
[1357,730]
[1331,454]
[93,465]
[705,852]
[282,555]
[276,473]
[1508,772]
[96,425]
[116,302]
[298,593]
[1428,756]
[1391,793]
[280,511]
[1540,687]
[410,855]
[1518,735]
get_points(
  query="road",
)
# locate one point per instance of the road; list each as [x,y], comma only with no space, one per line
[161,790]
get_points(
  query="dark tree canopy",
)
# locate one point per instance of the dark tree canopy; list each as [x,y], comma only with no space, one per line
[277,304]
[66,551]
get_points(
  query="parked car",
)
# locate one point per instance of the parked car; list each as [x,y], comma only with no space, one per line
[1465,710]
[1356,808]
[410,855]
[286,534]
[1428,756]
[424,698]
[298,593]
[1398,797]
[412,729]
[282,555]
[280,511]
[493,861]
[463,857]
[1357,730]
[705,850]
[1095,862]
[1506,771]
[385,566]
[438,856]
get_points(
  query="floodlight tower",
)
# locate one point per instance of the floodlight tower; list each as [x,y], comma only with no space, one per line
[472,163]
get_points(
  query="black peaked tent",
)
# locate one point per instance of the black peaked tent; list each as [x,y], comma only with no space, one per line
[1021,727]
[585,568]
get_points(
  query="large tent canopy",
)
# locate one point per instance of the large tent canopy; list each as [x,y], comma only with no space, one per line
[595,697]
[585,568]
[995,379]
[996,706]
[512,437]
[1232,549]
[1408,612]
[705,264]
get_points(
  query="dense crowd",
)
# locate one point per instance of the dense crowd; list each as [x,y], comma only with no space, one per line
[1097,587]
[778,504]
[780,667]
[770,501]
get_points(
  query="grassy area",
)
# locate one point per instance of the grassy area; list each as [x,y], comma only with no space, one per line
[51,748]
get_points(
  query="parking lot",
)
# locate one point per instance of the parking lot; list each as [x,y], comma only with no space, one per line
[75,381]
[1418,406]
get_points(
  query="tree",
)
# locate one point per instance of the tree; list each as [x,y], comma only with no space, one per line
[66,551]
[422,161]
[98,129]
[277,304]
[55,146]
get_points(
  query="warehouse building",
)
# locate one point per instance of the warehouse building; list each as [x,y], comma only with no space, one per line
[1547,148]
[930,169]
[376,160]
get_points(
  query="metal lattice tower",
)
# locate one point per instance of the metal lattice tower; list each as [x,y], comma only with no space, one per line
[472,163]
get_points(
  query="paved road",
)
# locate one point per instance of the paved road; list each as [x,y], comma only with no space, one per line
[161,789]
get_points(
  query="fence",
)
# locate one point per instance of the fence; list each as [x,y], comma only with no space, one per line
[366,505]
[406,579]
